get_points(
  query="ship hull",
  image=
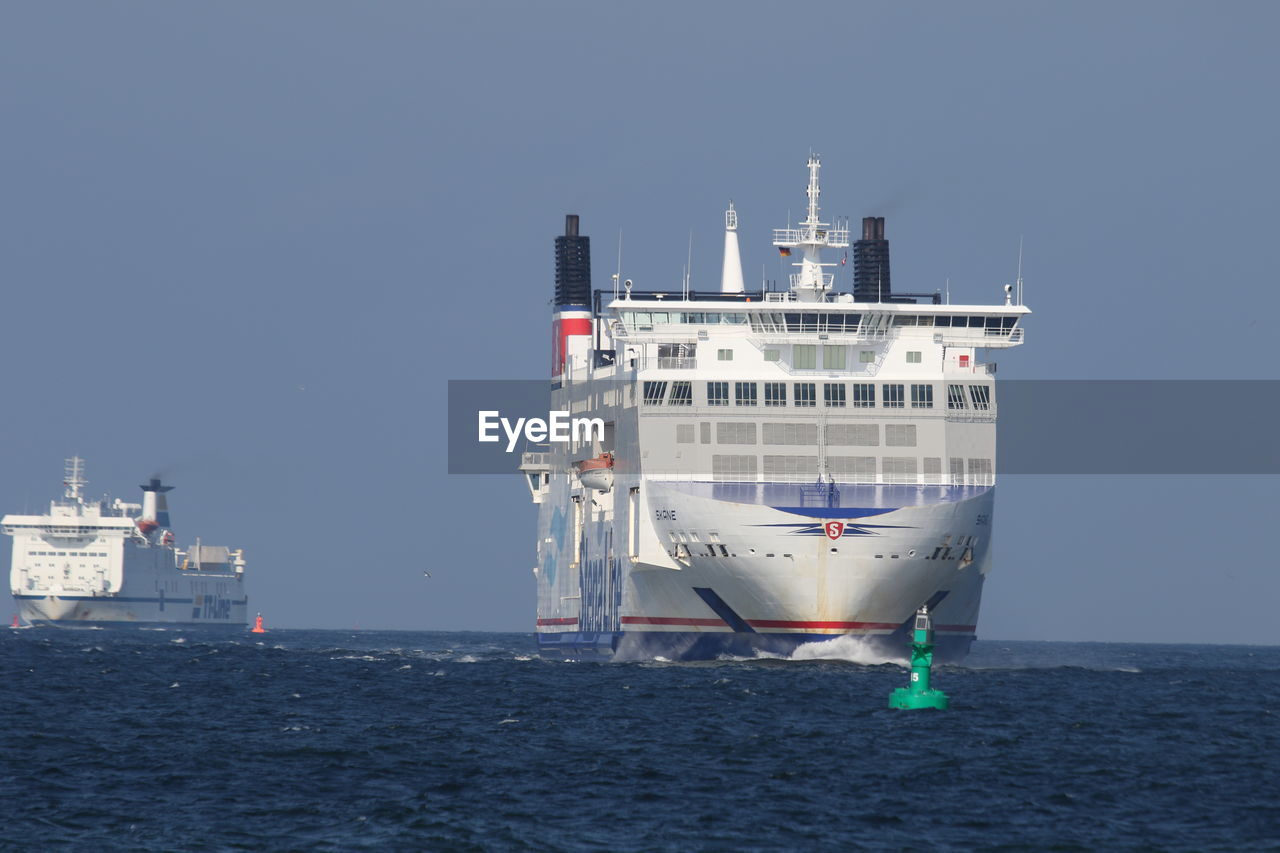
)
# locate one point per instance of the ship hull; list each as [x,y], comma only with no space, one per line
[776,577]
[703,646]
[80,611]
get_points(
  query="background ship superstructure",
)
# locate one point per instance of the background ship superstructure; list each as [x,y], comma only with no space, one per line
[97,562]
[785,466]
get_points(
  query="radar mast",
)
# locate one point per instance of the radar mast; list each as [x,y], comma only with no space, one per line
[811,284]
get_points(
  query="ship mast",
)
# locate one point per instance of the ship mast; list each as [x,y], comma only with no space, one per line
[73,478]
[811,284]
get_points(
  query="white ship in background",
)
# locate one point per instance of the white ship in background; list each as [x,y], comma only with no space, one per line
[776,467]
[89,563]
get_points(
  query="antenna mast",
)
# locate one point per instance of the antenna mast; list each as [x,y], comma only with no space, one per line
[812,235]
[73,478]
[1019,269]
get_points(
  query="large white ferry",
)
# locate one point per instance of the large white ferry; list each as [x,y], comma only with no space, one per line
[775,468]
[90,563]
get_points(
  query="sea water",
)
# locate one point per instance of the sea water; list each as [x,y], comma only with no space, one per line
[330,740]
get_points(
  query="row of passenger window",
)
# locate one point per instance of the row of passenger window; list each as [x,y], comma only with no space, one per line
[813,321]
[852,469]
[66,553]
[861,395]
[847,435]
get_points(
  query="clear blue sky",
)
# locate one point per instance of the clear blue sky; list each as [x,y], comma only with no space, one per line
[247,244]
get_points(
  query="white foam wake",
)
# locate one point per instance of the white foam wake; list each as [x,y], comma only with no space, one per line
[845,647]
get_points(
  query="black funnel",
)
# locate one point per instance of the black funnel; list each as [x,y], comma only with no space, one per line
[871,282]
[573,265]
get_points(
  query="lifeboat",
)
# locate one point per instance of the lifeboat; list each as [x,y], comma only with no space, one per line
[597,473]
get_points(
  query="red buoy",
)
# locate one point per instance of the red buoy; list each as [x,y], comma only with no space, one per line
[257,626]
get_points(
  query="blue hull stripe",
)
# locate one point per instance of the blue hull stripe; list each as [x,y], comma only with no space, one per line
[723,610]
[860,499]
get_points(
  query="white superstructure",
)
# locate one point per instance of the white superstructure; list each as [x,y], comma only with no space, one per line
[786,466]
[88,563]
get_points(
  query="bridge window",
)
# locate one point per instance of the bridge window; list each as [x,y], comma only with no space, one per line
[833,394]
[775,393]
[744,393]
[955,397]
[805,394]
[922,396]
[654,392]
[833,358]
[893,396]
[804,356]
[717,393]
[981,396]
[864,395]
[681,394]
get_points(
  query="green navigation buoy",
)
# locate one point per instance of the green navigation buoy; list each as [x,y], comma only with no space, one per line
[920,694]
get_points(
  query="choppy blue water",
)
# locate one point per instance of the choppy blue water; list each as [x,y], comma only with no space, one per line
[150,740]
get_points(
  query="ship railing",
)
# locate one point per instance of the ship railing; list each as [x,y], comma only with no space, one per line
[535,461]
[917,479]
[836,238]
[796,279]
[807,335]
[976,337]
[824,414]
[665,363]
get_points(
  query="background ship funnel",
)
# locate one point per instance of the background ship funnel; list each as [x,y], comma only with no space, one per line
[155,506]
